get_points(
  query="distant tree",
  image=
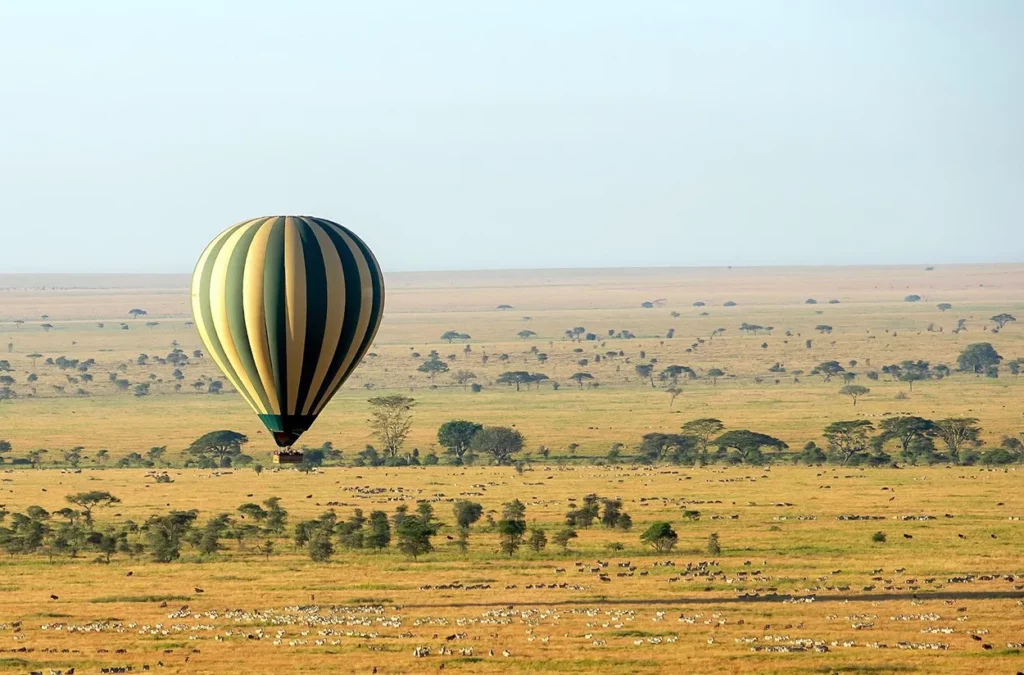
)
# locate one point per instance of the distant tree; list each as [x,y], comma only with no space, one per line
[660,536]
[912,298]
[505,307]
[905,429]
[5,447]
[563,537]
[749,444]
[854,391]
[827,369]
[501,443]
[823,328]
[975,358]
[848,440]
[714,374]
[464,377]
[34,356]
[413,534]
[673,393]
[525,334]
[87,501]
[1002,319]
[701,430]
[580,377]
[136,313]
[729,303]
[673,373]
[456,436]
[958,433]
[913,371]
[390,421]
[222,446]
[714,546]
[432,366]
[454,335]
[516,377]
[47,327]
[810,301]
[142,389]
[512,528]
[645,372]
[538,540]
[944,306]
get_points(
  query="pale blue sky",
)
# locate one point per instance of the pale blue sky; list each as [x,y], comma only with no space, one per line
[484,134]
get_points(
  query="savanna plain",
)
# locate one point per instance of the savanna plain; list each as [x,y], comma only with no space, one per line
[682,501]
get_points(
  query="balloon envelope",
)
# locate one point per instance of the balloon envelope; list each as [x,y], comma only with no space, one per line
[287,306]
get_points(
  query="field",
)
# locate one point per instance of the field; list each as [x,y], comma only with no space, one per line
[797,588]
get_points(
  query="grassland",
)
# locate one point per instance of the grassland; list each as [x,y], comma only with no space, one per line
[376,608]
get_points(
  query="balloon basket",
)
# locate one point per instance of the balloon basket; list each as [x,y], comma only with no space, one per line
[287,457]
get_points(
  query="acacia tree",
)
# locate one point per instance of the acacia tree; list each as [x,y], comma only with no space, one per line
[701,431]
[749,443]
[848,440]
[390,421]
[222,446]
[516,377]
[958,433]
[87,501]
[854,391]
[525,334]
[580,377]
[646,372]
[432,366]
[135,312]
[827,369]
[501,443]
[715,373]
[1003,319]
[905,430]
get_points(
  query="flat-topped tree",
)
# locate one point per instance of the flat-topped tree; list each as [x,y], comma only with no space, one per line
[714,374]
[87,501]
[827,369]
[1003,319]
[849,440]
[944,306]
[221,446]
[135,312]
[749,444]
[854,391]
[516,377]
[525,334]
[580,377]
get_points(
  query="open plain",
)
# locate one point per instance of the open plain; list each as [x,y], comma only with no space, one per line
[800,585]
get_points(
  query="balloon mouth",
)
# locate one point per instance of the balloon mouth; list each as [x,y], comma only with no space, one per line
[285,439]
[286,429]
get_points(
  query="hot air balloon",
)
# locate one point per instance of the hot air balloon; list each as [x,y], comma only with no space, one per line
[287,306]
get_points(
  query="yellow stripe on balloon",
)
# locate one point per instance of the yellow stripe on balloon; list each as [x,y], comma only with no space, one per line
[218,307]
[205,331]
[295,309]
[255,312]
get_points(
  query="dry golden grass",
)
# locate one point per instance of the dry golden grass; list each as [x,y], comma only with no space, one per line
[797,555]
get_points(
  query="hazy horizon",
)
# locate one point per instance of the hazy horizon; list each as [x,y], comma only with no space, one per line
[458,136]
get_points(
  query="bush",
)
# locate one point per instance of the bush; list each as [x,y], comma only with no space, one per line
[878,537]
[714,547]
